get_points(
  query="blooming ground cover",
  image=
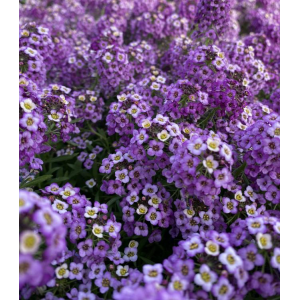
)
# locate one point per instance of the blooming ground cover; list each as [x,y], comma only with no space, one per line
[149,136]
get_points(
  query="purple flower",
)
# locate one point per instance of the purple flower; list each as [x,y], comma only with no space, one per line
[75,271]
[104,282]
[86,296]
[85,248]
[96,270]
[153,273]
[251,257]
[222,289]
[193,246]
[141,229]
[53,188]
[155,148]
[101,249]
[122,175]
[153,216]
[77,231]
[275,260]
[112,228]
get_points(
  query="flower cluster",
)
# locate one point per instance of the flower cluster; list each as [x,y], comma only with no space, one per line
[149,149]
[42,239]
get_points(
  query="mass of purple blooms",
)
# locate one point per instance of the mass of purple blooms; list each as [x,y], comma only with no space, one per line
[149,135]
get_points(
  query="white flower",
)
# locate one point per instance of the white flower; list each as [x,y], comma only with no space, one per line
[248,111]
[230,259]
[155,86]
[163,136]
[92,156]
[174,129]
[54,116]
[264,241]
[245,82]
[265,109]
[62,271]
[133,244]
[154,201]
[213,144]
[91,212]
[238,196]
[81,98]
[31,52]
[210,164]
[142,209]
[146,123]
[91,183]
[98,230]
[122,97]
[161,79]
[42,30]
[67,192]
[122,271]
[241,126]
[160,119]
[29,242]
[60,206]
[65,89]
[226,152]
[107,57]
[136,97]
[71,60]
[212,248]
[27,105]
[189,212]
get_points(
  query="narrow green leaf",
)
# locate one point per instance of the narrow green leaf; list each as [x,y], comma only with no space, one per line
[35,181]
[238,171]
[146,260]
[62,158]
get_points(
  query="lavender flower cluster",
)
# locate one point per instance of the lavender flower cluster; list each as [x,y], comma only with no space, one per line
[149,138]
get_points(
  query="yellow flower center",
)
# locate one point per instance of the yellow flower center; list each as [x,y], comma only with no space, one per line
[152,273]
[194,246]
[29,121]
[54,116]
[27,106]
[230,259]
[223,290]
[62,272]
[177,285]
[209,164]
[30,241]
[212,248]
[97,230]
[205,276]
[263,241]
[59,206]
[212,145]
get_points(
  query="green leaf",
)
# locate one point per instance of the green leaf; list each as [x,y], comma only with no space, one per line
[53,170]
[60,179]
[75,120]
[238,171]
[61,158]
[35,181]
[112,201]
[146,260]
